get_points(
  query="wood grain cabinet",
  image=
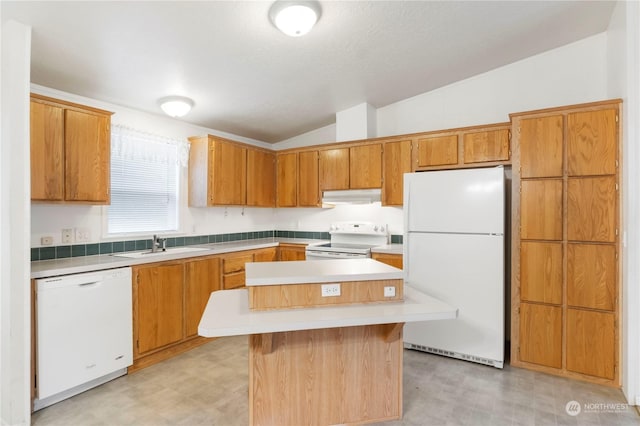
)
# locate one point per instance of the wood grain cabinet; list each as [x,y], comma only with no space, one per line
[158,306]
[70,152]
[463,147]
[396,162]
[390,259]
[261,178]
[356,167]
[334,169]
[309,179]
[217,172]
[287,179]
[565,265]
[365,166]
[486,146]
[201,278]
[228,173]
[297,179]
[168,301]
[288,252]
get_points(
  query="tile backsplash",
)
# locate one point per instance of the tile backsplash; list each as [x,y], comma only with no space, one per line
[77,250]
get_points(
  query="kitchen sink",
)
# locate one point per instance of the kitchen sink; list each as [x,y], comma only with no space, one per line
[173,250]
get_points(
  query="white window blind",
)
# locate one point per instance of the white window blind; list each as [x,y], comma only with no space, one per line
[145,172]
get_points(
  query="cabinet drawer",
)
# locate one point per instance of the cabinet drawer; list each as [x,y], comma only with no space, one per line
[236,264]
[235,280]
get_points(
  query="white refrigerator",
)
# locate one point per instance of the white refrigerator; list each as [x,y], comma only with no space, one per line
[454,251]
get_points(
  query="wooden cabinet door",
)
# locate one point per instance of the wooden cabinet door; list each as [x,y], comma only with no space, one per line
[334,169]
[287,180]
[481,147]
[396,162]
[390,259]
[437,151]
[47,152]
[592,143]
[541,334]
[87,157]
[591,276]
[202,277]
[365,166]
[308,179]
[541,272]
[591,209]
[158,306]
[541,147]
[541,209]
[591,343]
[227,173]
[287,252]
[266,255]
[261,178]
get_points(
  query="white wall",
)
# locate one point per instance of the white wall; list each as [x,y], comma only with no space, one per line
[571,74]
[323,135]
[623,61]
[50,219]
[15,319]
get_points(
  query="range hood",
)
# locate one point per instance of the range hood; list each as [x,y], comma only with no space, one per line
[351,196]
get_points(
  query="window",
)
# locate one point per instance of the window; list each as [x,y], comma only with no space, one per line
[145,171]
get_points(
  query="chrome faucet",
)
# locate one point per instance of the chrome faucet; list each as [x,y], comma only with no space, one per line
[158,244]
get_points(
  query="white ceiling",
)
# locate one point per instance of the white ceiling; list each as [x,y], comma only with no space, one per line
[249,79]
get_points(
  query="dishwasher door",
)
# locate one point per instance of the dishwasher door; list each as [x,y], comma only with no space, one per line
[84,328]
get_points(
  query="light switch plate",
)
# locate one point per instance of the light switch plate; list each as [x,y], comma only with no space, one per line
[67,235]
[46,241]
[389,291]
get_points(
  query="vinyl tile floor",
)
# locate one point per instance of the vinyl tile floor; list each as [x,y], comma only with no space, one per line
[209,386]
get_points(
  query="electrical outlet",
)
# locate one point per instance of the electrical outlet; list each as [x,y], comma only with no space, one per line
[330,290]
[389,291]
[67,235]
[83,235]
[46,241]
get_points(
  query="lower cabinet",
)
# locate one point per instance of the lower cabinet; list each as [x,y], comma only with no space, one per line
[158,308]
[291,252]
[389,259]
[169,299]
[201,278]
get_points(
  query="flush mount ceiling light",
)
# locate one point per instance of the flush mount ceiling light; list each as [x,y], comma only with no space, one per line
[176,106]
[295,18]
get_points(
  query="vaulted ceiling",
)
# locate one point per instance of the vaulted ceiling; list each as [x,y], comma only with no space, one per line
[249,79]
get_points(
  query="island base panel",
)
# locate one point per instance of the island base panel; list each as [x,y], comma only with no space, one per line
[348,375]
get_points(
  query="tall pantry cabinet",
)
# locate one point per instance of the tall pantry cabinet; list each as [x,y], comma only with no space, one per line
[565,283]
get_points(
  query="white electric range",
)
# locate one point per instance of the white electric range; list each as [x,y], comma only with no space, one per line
[350,240]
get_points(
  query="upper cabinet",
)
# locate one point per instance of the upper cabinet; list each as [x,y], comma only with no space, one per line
[365,166]
[309,179]
[297,179]
[70,152]
[356,167]
[261,178]
[396,162]
[226,173]
[334,169]
[287,180]
[464,147]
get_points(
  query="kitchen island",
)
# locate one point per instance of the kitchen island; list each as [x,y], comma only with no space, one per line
[325,338]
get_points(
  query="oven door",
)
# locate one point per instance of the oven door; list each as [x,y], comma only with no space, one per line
[325,255]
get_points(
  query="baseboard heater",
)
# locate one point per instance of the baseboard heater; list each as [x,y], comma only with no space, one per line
[457,355]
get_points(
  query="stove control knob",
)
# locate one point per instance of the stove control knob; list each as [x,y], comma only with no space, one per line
[381,228]
[375,228]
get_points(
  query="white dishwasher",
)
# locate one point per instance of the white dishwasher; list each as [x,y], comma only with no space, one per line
[84,332]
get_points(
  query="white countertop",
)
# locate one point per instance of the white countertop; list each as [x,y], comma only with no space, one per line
[388,249]
[227,314]
[75,265]
[319,271]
